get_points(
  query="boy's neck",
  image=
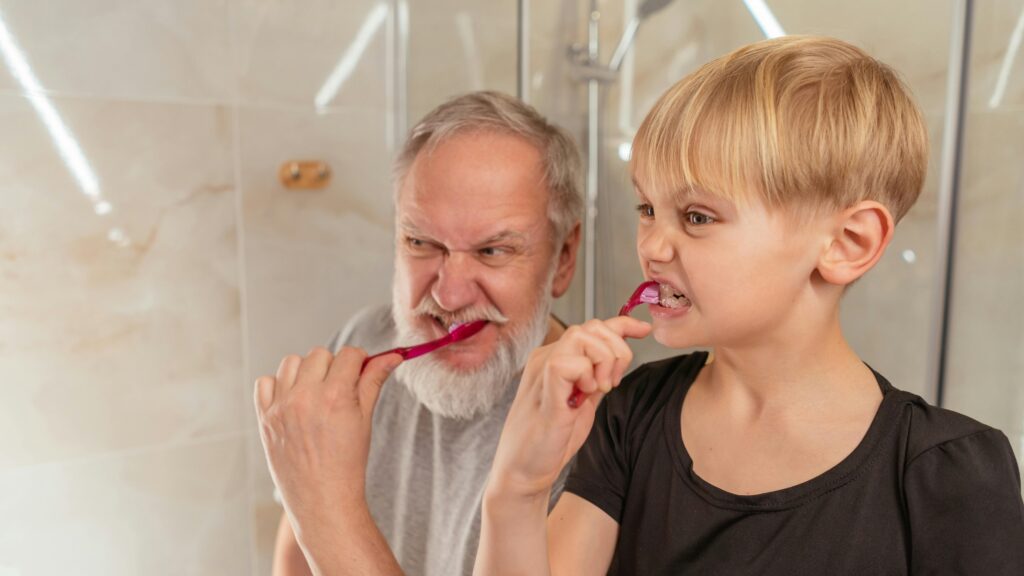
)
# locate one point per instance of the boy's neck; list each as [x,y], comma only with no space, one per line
[791,371]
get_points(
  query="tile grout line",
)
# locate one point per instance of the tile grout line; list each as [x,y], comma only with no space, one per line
[243,295]
[233,100]
[129,452]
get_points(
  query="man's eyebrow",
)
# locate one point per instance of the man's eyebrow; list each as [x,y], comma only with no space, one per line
[505,236]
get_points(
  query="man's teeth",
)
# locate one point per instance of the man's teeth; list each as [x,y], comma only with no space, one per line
[669,298]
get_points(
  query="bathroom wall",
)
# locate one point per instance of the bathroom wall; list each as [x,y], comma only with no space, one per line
[151,264]
[986,348]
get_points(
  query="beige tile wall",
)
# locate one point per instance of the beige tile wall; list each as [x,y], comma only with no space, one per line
[130,339]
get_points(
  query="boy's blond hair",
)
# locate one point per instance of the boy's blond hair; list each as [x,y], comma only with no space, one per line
[801,122]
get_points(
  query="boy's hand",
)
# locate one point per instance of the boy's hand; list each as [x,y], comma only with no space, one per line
[542,432]
[315,419]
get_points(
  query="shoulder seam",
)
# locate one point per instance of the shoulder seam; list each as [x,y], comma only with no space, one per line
[984,430]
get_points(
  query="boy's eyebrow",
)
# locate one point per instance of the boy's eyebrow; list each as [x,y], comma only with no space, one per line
[680,195]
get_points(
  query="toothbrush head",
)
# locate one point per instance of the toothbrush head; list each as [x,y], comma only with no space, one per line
[647,293]
[651,294]
[462,331]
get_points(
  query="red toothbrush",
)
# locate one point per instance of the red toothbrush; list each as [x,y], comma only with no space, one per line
[646,293]
[455,333]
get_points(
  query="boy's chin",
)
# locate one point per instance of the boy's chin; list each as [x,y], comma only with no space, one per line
[675,339]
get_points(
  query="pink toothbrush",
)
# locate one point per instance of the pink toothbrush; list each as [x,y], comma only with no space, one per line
[455,334]
[646,293]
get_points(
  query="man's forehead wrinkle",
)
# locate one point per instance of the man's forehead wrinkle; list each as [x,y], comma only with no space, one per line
[408,226]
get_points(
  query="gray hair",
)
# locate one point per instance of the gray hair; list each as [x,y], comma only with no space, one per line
[494,111]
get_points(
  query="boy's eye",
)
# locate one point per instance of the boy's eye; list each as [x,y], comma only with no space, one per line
[698,218]
[646,210]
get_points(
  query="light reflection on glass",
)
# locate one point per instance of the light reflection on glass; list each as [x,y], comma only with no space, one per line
[351,57]
[66,144]
[1004,71]
[765,19]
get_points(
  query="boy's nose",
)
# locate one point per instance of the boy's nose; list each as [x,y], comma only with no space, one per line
[456,285]
[654,245]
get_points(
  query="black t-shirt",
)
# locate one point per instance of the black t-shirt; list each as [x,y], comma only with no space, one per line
[927,491]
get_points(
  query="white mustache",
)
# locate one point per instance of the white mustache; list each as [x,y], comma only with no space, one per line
[429,307]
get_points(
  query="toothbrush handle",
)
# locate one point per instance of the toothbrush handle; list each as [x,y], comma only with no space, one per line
[403,352]
[576,398]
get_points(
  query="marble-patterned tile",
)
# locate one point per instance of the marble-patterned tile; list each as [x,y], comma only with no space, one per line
[266,512]
[135,49]
[119,305]
[312,53]
[312,257]
[986,347]
[164,512]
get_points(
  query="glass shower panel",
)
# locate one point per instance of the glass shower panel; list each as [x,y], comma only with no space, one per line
[888,316]
[985,359]
[457,46]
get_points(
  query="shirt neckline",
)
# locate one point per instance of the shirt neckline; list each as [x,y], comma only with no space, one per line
[840,474]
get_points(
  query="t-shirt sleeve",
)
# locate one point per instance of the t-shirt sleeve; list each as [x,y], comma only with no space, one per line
[965,509]
[601,471]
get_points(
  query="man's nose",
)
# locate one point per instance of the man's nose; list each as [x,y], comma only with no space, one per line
[456,286]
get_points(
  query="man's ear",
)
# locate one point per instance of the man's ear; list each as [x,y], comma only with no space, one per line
[860,237]
[566,266]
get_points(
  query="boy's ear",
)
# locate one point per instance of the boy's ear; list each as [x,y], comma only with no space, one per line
[860,236]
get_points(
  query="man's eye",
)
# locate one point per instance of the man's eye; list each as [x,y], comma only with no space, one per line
[646,210]
[698,218]
[491,251]
[419,246]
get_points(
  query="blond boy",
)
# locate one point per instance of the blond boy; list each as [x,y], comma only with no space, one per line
[767,182]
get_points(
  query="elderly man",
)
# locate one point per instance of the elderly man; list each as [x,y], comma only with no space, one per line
[487,227]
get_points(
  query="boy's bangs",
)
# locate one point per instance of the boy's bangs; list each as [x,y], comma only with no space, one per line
[699,137]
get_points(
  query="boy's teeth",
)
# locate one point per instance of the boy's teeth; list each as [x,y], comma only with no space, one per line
[670,298]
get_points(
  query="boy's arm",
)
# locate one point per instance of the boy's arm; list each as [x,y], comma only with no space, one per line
[542,433]
[579,538]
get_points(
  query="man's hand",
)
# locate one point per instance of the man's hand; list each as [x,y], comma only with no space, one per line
[315,418]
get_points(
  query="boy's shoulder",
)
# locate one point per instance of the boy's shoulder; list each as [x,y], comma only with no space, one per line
[926,427]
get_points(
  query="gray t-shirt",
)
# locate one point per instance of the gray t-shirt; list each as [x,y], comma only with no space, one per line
[426,473]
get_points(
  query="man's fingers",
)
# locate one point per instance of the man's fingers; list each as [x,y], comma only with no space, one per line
[313,368]
[264,393]
[344,369]
[373,378]
[286,372]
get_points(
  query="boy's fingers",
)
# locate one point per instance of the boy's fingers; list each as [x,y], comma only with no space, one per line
[627,327]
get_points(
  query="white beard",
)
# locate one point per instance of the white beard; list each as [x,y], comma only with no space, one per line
[463,394]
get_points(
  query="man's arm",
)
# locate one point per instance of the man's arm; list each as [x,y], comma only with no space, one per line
[315,418]
[288,557]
